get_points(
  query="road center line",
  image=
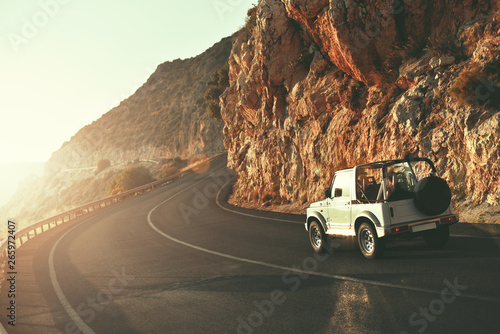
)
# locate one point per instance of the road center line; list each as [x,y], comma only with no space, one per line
[248,214]
[283,268]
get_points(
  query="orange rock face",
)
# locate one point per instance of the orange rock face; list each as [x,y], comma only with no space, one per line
[322,85]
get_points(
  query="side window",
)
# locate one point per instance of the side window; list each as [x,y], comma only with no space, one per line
[342,185]
[368,183]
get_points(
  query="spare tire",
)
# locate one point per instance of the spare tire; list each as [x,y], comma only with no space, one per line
[432,195]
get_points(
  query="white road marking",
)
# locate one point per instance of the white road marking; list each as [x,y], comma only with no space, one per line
[283,268]
[474,237]
[248,214]
[82,326]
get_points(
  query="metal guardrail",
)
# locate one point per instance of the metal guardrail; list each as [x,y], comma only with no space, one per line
[29,232]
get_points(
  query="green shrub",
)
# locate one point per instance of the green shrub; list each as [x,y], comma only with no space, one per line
[130,178]
[441,47]
[217,84]
[478,86]
[169,171]
[251,19]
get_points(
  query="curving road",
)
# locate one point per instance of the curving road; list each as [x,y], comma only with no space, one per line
[179,260]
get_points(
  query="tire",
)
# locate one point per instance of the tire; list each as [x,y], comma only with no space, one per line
[438,237]
[319,240]
[432,196]
[369,243]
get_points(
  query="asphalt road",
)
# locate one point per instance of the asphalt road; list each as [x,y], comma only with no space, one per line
[176,261]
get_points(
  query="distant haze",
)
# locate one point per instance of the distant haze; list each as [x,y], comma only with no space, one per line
[12,174]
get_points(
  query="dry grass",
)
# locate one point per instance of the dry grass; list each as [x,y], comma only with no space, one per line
[478,86]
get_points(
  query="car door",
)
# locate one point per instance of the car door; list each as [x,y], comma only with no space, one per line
[339,208]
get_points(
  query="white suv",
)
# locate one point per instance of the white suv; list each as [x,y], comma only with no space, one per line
[381,201]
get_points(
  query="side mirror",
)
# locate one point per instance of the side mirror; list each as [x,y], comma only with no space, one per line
[328,193]
[338,192]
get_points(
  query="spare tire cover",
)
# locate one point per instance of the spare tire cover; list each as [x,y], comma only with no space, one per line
[432,195]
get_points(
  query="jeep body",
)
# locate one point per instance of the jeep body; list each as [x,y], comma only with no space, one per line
[389,199]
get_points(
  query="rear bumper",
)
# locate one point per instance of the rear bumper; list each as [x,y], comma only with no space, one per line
[421,225]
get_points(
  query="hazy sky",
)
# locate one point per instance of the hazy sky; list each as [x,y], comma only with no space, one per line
[64,63]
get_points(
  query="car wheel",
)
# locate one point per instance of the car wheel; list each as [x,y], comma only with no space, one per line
[319,240]
[371,246]
[438,237]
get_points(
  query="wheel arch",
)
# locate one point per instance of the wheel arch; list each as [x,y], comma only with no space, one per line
[316,216]
[366,217]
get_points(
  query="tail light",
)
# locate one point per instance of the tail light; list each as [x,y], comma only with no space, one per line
[449,220]
[399,229]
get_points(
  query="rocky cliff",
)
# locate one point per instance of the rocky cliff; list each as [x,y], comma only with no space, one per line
[320,85]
